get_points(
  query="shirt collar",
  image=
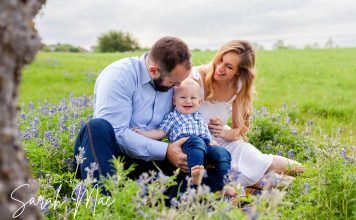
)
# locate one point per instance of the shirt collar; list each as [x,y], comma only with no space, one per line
[195,115]
[145,76]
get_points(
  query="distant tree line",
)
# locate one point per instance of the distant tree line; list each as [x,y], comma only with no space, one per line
[280,45]
[119,41]
[63,48]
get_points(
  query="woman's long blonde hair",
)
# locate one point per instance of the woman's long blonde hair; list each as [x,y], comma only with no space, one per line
[244,82]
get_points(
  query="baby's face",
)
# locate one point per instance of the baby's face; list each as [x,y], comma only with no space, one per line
[187,99]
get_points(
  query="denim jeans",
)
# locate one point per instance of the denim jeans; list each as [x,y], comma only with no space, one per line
[200,153]
[97,137]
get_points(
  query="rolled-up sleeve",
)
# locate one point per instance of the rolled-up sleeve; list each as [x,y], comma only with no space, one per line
[113,101]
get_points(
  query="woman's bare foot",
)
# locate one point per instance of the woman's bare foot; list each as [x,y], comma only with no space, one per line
[197,174]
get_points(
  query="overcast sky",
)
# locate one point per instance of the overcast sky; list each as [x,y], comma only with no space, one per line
[203,24]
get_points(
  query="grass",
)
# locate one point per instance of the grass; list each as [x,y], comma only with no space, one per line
[318,84]
[307,115]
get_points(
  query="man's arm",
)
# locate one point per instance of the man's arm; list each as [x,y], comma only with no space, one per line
[113,98]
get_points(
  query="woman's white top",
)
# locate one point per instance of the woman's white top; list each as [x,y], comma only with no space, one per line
[247,161]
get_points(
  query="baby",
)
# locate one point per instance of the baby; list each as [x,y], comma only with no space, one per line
[184,120]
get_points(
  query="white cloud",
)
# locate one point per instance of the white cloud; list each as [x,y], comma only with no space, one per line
[201,23]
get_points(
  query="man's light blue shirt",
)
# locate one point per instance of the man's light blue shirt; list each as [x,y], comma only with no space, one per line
[124,97]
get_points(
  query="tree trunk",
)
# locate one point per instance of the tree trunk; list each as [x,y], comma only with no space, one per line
[19,43]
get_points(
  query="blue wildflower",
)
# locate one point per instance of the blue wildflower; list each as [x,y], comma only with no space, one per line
[291,153]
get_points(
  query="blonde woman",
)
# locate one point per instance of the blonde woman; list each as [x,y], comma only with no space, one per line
[228,87]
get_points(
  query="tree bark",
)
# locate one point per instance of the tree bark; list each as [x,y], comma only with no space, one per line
[19,44]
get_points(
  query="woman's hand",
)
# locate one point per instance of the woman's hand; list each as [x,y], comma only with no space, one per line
[218,129]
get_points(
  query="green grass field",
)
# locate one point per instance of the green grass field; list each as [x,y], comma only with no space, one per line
[319,85]
[309,95]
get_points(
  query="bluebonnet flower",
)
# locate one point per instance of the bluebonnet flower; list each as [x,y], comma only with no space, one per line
[45,207]
[343,154]
[53,110]
[280,153]
[79,190]
[90,171]
[174,203]
[162,178]
[294,132]
[36,120]
[306,188]
[23,116]
[287,120]
[31,106]
[251,212]
[70,162]
[80,157]
[85,101]
[48,135]
[264,110]
[234,175]
[291,153]
[81,122]
[262,183]
[56,142]
[26,135]
[284,106]
[39,142]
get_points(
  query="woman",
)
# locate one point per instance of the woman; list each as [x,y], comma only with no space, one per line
[228,86]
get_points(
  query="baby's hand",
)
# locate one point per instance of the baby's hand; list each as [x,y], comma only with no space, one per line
[137,130]
[213,143]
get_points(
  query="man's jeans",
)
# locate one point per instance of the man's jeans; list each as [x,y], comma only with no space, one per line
[97,137]
[199,153]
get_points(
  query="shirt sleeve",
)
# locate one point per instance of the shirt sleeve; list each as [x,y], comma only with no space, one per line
[113,95]
[167,123]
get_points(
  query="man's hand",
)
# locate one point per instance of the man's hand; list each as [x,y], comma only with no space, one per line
[176,156]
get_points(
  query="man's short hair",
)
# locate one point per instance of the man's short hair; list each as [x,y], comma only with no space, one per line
[168,52]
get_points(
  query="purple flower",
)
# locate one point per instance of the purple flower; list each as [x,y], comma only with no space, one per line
[48,135]
[80,190]
[27,134]
[279,153]
[234,175]
[306,187]
[80,157]
[31,106]
[291,153]
[45,208]
[343,154]
[294,132]
[23,116]
[264,110]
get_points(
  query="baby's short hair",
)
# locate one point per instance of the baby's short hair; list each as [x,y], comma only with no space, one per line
[188,82]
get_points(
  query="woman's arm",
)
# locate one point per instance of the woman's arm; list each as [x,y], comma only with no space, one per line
[156,134]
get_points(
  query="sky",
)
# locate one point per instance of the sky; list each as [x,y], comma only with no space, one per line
[202,24]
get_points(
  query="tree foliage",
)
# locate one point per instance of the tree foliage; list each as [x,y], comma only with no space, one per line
[117,41]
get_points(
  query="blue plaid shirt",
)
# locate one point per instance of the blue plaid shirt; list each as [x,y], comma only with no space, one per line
[179,125]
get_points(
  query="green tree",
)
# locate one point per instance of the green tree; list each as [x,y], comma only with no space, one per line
[329,43]
[278,45]
[117,41]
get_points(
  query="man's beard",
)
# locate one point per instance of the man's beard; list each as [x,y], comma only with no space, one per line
[158,85]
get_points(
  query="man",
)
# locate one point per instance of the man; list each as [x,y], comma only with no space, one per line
[135,93]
